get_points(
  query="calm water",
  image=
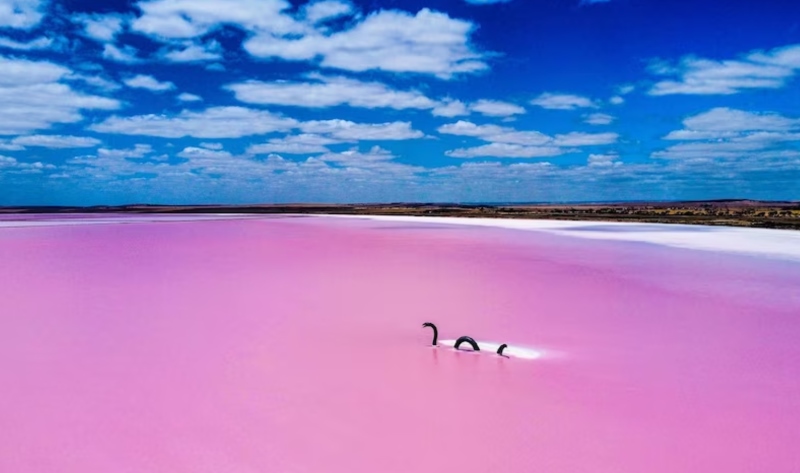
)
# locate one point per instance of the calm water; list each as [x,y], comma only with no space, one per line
[294,345]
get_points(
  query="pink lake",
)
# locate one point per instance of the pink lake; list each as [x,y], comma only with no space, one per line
[281,344]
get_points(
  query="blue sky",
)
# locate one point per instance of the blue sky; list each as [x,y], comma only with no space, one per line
[243,101]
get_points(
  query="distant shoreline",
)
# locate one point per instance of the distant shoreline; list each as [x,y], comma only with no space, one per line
[728,212]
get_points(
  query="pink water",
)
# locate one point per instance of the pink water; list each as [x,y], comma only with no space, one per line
[294,345]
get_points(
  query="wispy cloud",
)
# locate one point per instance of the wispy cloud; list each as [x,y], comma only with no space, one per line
[327,91]
[756,70]
[599,119]
[724,133]
[505,142]
[56,141]
[34,44]
[214,122]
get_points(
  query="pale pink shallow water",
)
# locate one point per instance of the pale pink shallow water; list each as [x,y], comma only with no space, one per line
[294,345]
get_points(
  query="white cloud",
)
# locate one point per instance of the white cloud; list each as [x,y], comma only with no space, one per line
[6,145]
[193,152]
[10,165]
[38,43]
[22,14]
[724,133]
[604,160]
[495,108]
[616,100]
[319,11]
[103,28]
[215,122]
[722,120]
[756,70]
[507,142]
[427,43]
[182,19]
[355,157]
[495,133]
[192,52]
[187,97]
[450,108]
[214,146]
[322,91]
[625,89]
[295,144]
[562,101]
[20,72]
[506,150]
[32,98]
[138,151]
[126,54]
[346,130]
[598,119]
[56,141]
[95,81]
[142,81]
[585,139]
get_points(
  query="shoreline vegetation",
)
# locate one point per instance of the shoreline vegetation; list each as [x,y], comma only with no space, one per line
[729,212]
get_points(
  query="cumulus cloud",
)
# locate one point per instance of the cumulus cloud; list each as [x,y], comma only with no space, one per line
[137,152]
[56,141]
[346,130]
[33,98]
[125,54]
[354,156]
[306,143]
[11,165]
[323,91]
[187,97]
[96,81]
[724,133]
[505,142]
[496,108]
[598,119]
[506,150]
[562,101]
[450,108]
[180,19]
[214,122]
[103,28]
[325,10]
[603,160]
[756,70]
[21,14]
[395,41]
[142,81]
[194,152]
[194,52]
